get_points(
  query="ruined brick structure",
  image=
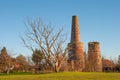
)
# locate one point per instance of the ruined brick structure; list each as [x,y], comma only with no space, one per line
[78,59]
[76,50]
[94,57]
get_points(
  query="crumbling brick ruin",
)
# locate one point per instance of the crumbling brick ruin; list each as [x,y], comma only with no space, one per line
[94,57]
[76,55]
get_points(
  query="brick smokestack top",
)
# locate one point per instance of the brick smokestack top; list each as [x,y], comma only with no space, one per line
[75,35]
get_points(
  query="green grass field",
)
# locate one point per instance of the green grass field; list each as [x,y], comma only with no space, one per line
[63,76]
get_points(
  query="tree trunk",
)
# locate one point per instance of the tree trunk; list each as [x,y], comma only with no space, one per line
[57,67]
[8,71]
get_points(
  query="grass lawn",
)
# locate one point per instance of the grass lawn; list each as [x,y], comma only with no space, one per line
[63,76]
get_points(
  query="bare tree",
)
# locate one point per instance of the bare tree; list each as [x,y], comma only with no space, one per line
[46,39]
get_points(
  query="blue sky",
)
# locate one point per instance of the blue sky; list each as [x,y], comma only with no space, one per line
[99,20]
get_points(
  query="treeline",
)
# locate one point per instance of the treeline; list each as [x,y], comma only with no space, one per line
[10,64]
[38,64]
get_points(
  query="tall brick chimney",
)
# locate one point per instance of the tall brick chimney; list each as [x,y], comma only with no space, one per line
[76,50]
[75,34]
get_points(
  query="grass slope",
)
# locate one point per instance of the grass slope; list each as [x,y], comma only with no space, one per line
[64,76]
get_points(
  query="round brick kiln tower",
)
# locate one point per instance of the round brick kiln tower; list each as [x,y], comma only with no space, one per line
[94,57]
